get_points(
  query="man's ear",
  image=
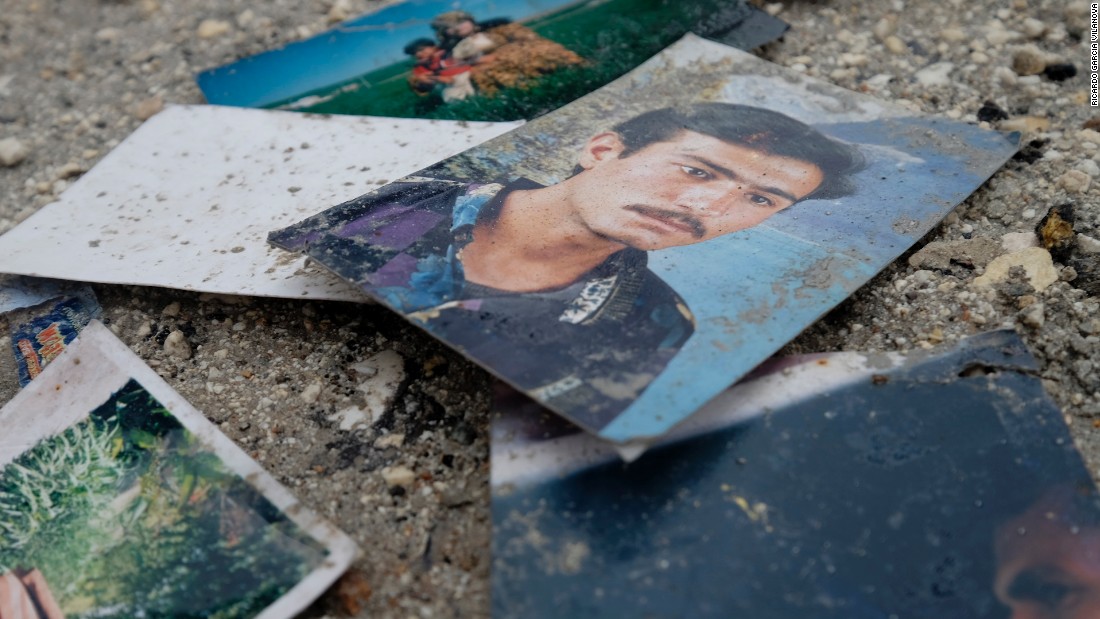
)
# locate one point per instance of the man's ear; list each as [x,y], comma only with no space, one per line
[600,148]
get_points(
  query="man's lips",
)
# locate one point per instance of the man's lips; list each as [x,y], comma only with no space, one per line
[672,219]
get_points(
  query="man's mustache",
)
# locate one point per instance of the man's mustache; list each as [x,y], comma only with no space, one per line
[698,230]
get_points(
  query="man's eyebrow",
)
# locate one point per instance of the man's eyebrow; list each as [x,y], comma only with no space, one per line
[728,173]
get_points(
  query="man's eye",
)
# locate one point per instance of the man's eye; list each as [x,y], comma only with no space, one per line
[696,172]
[760,200]
[1035,588]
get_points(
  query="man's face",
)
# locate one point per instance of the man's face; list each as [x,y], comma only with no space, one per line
[689,189]
[1046,567]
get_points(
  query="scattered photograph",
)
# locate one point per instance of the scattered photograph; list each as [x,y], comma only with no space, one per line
[842,485]
[118,500]
[476,59]
[20,292]
[628,257]
[40,333]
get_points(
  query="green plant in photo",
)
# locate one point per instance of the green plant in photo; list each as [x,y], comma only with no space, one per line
[52,498]
[127,514]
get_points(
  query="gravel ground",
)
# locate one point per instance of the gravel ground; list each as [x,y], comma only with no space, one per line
[77,77]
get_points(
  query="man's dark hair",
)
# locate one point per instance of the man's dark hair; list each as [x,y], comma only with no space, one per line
[762,130]
[418,45]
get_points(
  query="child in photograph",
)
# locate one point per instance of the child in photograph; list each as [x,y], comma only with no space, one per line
[436,73]
[500,53]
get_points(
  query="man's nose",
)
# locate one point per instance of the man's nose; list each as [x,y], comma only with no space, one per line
[712,200]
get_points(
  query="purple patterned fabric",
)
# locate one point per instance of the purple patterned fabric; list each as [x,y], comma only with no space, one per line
[396,272]
[394,226]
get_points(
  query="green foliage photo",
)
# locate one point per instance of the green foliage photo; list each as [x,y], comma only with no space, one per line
[613,37]
[126,514]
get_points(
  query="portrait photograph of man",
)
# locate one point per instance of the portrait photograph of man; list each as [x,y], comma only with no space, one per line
[565,256]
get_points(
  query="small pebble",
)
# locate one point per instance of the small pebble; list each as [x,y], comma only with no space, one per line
[1031,152]
[1029,60]
[1055,231]
[894,44]
[1004,77]
[1036,262]
[147,108]
[12,152]
[70,170]
[211,28]
[1088,166]
[885,27]
[1033,28]
[853,60]
[1075,181]
[1090,136]
[341,10]
[310,394]
[1015,241]
[1033,315]
[990,112]
[953,35]
[1059,72]
[1026,124]
[1000,36]
[936,74]
[398,476]
[948,255]
[936,336]
[389,440]
[176,345]
[245,17]
[109,35]
[1087,244]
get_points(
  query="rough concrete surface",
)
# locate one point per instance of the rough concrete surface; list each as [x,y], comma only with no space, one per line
[293,382]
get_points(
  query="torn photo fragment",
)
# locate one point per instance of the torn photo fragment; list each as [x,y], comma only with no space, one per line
[830,486]
[118,499]
[42,317]
[476,59]
[626,258]
[188,199]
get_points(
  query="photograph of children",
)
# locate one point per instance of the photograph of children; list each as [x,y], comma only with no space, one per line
[469,58]
[118,501]
[476,59]
[629,256]
[837,486]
